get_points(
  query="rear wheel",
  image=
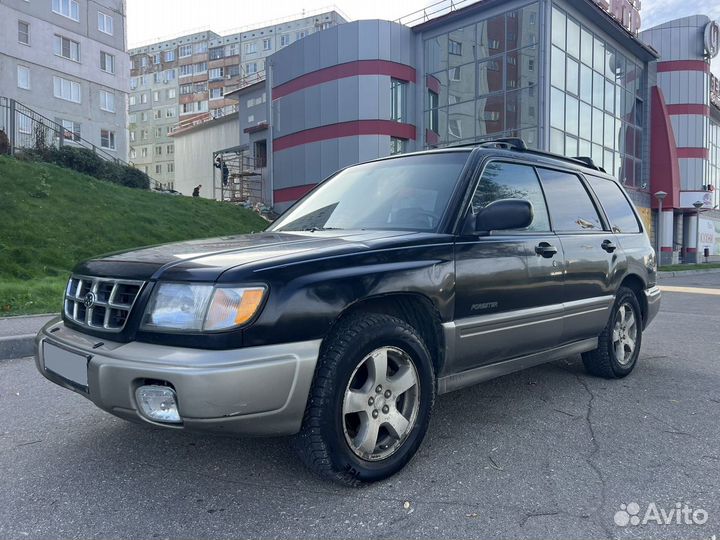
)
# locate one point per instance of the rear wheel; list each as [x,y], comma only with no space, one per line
[370,402]
[619,344]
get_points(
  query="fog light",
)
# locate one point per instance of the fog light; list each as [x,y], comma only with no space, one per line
[158,403]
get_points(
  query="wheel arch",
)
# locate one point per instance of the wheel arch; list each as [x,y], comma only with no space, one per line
[636,284]
[414,308]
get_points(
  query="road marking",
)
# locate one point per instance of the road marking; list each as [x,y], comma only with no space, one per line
[690,290]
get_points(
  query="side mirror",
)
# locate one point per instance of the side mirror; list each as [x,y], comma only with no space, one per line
[504,215]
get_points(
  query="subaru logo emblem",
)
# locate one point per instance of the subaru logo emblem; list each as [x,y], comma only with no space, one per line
[89,300]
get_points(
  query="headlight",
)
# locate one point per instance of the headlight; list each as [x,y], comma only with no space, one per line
[177,306]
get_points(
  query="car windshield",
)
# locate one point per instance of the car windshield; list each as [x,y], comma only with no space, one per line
[406,193]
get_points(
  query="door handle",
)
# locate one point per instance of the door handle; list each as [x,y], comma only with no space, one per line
[608,246]
[546,250]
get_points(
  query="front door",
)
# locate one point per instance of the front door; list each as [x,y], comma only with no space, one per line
[509,283]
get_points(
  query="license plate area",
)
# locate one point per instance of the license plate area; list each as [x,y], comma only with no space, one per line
[68,365]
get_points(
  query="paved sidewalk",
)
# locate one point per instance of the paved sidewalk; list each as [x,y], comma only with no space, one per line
[17,334]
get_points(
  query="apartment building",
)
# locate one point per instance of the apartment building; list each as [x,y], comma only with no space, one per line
[183,81]
[67,60]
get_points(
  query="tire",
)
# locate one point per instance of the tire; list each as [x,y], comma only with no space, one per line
[335,440]
[616,340]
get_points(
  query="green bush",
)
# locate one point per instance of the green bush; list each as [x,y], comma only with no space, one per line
[87,162]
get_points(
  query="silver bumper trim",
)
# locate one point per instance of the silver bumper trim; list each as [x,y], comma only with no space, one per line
[253,390]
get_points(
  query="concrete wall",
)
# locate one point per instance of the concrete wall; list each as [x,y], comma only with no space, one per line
[194,153]
[43,64]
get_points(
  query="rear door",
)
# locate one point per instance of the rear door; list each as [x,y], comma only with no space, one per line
[593,262]
[509,283]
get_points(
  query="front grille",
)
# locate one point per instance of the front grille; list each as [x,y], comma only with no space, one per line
[100,303]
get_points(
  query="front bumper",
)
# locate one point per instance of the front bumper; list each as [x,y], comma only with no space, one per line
[652,296]
[253,391]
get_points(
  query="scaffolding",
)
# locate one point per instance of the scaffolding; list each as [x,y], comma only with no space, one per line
[238,176]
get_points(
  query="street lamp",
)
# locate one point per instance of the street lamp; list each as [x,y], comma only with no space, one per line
[698,205]
[660,196]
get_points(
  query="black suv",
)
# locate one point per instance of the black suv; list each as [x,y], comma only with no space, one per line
[391,282]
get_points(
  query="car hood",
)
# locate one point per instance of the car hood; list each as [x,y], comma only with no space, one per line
[207,259]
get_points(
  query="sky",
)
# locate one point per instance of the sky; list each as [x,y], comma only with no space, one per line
[154,20]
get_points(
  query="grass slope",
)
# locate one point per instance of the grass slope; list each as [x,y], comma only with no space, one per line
[51,218]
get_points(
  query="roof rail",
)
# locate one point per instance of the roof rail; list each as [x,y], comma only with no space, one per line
[517,144]
[508,143]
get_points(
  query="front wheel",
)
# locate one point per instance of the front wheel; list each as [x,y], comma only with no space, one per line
[619,344]
[370,403]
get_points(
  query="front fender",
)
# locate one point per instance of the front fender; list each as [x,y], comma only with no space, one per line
[306,298]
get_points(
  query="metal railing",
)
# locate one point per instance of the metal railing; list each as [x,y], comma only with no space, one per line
[433,11]
[27,129]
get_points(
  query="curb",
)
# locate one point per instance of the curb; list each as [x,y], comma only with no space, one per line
[681,273]
[17,346]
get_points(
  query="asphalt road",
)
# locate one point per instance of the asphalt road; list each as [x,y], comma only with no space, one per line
[549,452]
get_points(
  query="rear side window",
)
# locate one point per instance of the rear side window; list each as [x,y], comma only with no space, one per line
[512,181]
[571,208]
[618,209]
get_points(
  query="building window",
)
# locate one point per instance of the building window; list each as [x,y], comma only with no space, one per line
[143,153]
[301,34]
[143,117]
[433,100]
[454,47]
[267,44]
[157,58]
[132,136]
[143,98]
[185,51]
[200,67]
[158,132]
[284,40]
[216,93]
[133,153]
[232,50]
[250,48]
[170,149]
[23,77]
[170,113]
[170,56]
[23,32]
[105,23]
[67,48]
[251,68]
[107,101]
[157,77]
[107,139]
[171,93]
[171,167]
[169,75]
[66,89]
[157,114]
[158,150]
[216,73]
[185,71]
[158,169]
[397,145]
[67,8]
[398,93]
[71,130]
[107,62]
[156,96]
[23,123]
[201,47]
[186,89]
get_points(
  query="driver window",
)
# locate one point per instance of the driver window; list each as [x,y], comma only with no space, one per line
[512,181]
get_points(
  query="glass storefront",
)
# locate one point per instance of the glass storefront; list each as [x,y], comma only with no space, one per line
[487,74]
[713,174]
[596,100]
